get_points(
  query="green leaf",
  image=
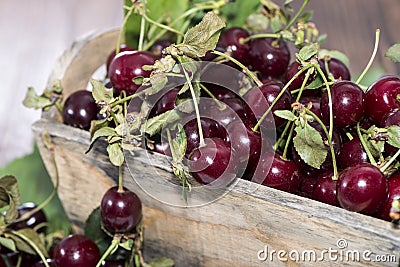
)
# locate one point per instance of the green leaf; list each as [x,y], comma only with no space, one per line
[95,125]
[308,51]
[100,92]
[285,114]
[236,13]
[127,244]
[8,243]
[316,83]
[155,124]
[94,231]
[33,100]
[394,136]
[12,212]
[203,37]
[256,23]
[334,54]
[162,262]
[115,154]
[24,245]
[158,81]
[309,145]
[375,147]
[10,195]
[179,144]
[102,132]
[393,53]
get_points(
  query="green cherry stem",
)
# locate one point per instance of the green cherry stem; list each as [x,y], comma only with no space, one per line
[120,180]
[162,26]
[328,89]
[299,12]
[122,30]
[142,28]
[371,60]
[110,250]
[392,159]
[260,35]
[365,147]
[220,106]
[255,128]
[332,150]
[288,141]
[248,72]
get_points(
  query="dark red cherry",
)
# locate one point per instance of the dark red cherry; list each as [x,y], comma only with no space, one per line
[269,56]
[211,56]
[276,172]
[212,163]
[315,103]
[121,211]
[394,193]
[232,109]
[382,97]
[231,39]
[122,48]
[78,251]
[336,67]
[258,101]
[166,101]
[36,219]
[306,187]
[157,48]
[325,189]
[347,103]
[291,71]
[3,264]
[126,66]
[162,147]
[80,109]
[352,153]
[362,188]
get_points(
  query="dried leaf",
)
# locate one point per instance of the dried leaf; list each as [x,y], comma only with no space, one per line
[179,144]
[10,184]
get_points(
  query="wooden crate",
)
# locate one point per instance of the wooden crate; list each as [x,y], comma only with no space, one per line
[231,231]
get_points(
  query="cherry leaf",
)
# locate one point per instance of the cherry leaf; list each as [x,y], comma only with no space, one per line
[10,185]
[393,53]
[94,231]
[162,262]
[115,154]
[8,243]
[334,54]
[23,239]
[393,133]
[100,92]
[285,114]
[179,144]
[155,124]
[256,23]
[308,51]
[33,100]
[203,37]
[309,145]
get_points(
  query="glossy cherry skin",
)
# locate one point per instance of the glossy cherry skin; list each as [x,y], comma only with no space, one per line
[291,71]
[347,104]
[325,189]
[121,211]
[211,163]
[50,262]
[122,48]
[394,193]
[337,69]
[315,104]
[80,109]
[278,173]
[306,187]
[76,250]
[231,39]
[210,127]
[258,101]
[126,66]
[269,56]
[382,97]
[162,147]
[352,153]
[2,263]
[362,188]
[34,220]
[165,102]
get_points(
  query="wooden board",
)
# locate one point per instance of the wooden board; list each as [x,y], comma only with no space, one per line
[230,231]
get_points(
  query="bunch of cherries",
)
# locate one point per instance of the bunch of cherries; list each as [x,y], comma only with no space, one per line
[361,185]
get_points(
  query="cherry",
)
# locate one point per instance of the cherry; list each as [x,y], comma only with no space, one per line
[76,250]
[315,104]
[347,103]
[231,39]
[165,102]
[50,262]
[211,56]
[122,48]
[382,97]
[325,189]
[390,119]
[126,66]
[162,148]
[269,56]
[211,163]
[306,187]
[259,99]
[33,221]
[121,211]
[336,67]
[2,263]
[292,69]
[210,127]
[80,109]
[279,173]
[352,153]
[157,48]
[394,193]
[362,188]
[232,109]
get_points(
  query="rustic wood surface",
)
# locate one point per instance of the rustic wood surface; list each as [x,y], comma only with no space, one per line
[227,232]
[34,34]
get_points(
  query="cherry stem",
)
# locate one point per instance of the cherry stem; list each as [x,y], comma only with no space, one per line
[332,150]
[142,28]
[125,99]
[371,60]
[220,106]
[260,35]
[122,30]
[288,141]
[328,89]
[33,245]
[120,180]
[255,128]
[365,147]
[299,12]
[113,246]
[162,26]
[282,136]
[392,159]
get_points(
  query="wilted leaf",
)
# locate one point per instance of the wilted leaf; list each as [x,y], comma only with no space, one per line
[179,144]
[10,184]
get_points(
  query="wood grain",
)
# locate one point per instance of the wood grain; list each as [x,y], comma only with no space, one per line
[229,231]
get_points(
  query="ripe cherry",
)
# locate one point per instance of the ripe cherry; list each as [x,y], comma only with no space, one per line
[394,193]
[165,102]
[325,189]
[336,67]
[76,250]
[80,109]
[347,103]
[33,221]
[231,40]
[121,211]
[292,69]
[352,153]
[362,188]
[126,66]
[122,48]
[382,97]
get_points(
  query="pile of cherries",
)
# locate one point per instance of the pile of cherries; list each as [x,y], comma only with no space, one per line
[361,186]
